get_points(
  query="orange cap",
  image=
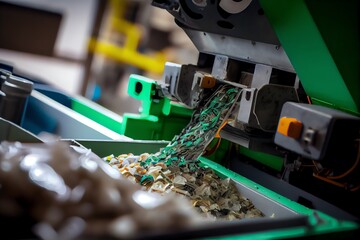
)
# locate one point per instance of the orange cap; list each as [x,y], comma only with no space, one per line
[208,81]
[290,127]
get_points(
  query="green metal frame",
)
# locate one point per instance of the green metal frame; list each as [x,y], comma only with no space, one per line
[97,113]
[159,118]
[321,39]
[337,229]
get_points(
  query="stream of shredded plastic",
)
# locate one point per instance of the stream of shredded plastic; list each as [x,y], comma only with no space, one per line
[176,167]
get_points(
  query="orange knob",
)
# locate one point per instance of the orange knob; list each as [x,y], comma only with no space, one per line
[290,127]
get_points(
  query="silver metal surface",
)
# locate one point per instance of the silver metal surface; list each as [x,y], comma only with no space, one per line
[196,90]
[13,133]
[261,76]
[232,137]
[169,79]
[219,69]
[184,90]
[71,124]
[241,49]
[238,85]
[246,105]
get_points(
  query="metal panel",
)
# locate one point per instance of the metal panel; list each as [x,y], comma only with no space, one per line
[12,132]
[241,49]
[71,124]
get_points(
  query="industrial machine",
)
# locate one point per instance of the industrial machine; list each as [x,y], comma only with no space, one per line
[296,128]
[294,132]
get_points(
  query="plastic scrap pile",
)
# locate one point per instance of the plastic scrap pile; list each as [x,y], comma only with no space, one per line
[67,193]
[176,167]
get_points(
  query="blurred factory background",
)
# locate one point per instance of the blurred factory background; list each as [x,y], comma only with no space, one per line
[90,47]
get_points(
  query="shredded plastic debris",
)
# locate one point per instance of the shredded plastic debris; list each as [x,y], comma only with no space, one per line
[213,197]
[176,167]
[193,139]
[70,193]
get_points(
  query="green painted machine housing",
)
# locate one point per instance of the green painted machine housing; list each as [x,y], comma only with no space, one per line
[159,118]
[321,39]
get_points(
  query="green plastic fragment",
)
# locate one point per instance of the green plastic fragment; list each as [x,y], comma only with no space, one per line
[168,162]
[146,178]
[198,141]
[182,162]
[193,167]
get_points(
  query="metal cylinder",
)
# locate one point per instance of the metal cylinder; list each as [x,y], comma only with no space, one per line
[13,103]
